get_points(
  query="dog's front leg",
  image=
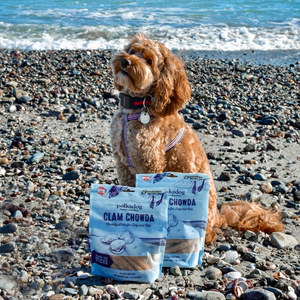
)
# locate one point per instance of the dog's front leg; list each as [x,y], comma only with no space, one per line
[125,176]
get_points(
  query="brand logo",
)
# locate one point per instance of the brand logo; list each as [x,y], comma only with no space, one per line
[146,178]
[101,190]
[132,207]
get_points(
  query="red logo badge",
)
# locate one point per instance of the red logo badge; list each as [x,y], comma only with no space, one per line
[101,190]
[146,178]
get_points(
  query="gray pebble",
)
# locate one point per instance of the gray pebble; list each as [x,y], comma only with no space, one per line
[210,295]
[37,157]
[73,175]
[8,247]
[281,240]
[258,294]
[213,273]
[64,224]
[260,176]
[239,133]
[83,290]
[131,295]
[175,271]
[71,291]
[9,228]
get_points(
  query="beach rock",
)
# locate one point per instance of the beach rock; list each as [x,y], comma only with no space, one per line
[253,196]
[225,176]
[175,271]
[9,228]
[83,290]
[7,283]
[209,295]
[213,273]
[72,175]
[258,294]
[239,133]
[4,161]
[30,187]
[36,158]
[281,240]
[232,275]
[266,187]
[8,247]
[64,224]
[23,276]
[260,176]
[131,295]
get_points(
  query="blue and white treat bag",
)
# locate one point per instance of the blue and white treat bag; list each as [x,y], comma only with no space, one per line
[128,229]
[187,215]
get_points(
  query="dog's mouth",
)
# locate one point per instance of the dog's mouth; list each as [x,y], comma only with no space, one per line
[124,73]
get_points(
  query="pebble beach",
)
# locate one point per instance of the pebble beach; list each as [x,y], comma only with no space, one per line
[55,113]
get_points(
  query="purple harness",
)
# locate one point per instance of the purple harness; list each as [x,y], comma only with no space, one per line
[127,118]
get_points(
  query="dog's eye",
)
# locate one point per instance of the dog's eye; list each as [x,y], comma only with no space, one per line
[149,61]
[132,52]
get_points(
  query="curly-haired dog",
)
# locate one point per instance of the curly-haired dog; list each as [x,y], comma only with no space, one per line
[148,135]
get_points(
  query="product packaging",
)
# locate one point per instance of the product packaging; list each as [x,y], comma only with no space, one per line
[187,215]
[128,229]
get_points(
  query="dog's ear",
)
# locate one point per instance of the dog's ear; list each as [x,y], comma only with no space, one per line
[172,90]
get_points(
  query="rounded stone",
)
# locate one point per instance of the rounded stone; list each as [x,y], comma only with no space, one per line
[9,228]
[266,187]
[232,275]
[213,273]
[175,271]
[258,294]
[8,247]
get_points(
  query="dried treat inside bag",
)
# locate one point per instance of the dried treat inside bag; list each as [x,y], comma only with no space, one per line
[187,215]
[128,230]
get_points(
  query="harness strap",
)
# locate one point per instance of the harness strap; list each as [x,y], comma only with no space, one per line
[136,116]
[176,140]
[125,119]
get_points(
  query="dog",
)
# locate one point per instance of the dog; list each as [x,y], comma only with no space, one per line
[149,135]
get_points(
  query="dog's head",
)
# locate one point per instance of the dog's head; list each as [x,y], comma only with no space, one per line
[147,67]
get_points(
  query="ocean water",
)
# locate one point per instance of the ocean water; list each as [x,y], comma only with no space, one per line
[200,25]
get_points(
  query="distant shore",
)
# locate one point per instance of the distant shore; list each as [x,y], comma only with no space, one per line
[272,57]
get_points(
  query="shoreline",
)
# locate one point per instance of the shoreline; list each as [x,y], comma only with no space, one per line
[258,57]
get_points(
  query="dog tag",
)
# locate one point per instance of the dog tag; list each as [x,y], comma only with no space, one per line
[144,117]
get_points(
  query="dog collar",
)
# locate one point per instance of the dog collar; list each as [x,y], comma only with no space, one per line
[133,102]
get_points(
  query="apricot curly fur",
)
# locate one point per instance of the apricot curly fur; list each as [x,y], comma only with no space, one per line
[147,68]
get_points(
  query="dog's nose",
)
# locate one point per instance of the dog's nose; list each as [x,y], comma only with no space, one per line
[125,63]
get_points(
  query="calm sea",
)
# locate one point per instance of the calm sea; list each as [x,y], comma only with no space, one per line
[227,25]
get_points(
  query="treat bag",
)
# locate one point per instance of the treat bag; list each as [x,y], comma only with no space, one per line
[128,229]
[187,215]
